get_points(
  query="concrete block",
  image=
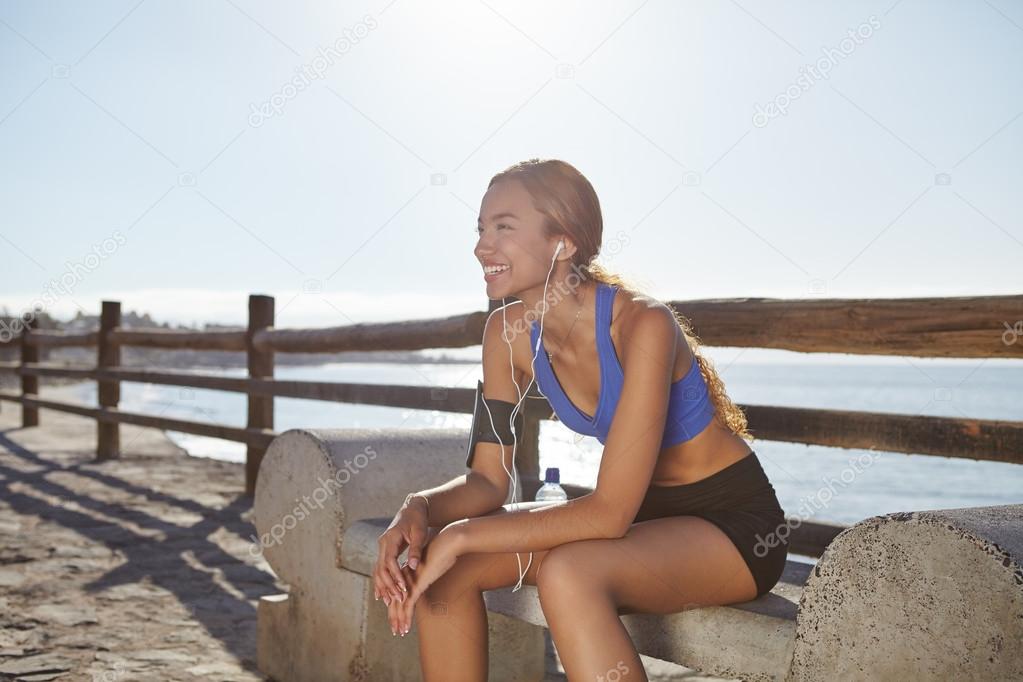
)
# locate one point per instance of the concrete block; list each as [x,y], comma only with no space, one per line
[313,485]
[927,595]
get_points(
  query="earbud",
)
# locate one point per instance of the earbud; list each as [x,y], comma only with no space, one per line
[559,247]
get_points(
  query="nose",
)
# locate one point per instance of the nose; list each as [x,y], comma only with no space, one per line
[483,246]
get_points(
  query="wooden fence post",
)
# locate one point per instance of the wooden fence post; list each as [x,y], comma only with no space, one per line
[261,366]
[108,435]
[529,468]
[29,384]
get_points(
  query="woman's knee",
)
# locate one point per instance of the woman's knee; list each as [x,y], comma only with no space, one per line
[567,570]
[478,572]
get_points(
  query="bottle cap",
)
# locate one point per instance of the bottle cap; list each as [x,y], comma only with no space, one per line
[553,475]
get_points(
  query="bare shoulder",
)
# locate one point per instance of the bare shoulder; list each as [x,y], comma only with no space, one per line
[506,325]
[636,311]
[646,323]
[507,322]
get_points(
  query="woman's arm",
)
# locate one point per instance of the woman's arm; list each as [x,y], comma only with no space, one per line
[532,530]
[470,494]
[486,486]
[626,465]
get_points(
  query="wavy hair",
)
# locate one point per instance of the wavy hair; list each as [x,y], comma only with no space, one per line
[571,208]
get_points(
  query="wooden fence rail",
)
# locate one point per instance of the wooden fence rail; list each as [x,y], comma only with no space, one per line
[965,327]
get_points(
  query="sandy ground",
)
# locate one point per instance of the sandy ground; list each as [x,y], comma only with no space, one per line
[132,569]
[136,568]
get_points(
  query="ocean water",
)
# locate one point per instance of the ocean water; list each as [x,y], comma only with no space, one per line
[812,482]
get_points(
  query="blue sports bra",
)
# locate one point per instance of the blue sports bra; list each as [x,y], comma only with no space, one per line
[689,406]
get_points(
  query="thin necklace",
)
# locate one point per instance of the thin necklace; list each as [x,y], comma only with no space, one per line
[561,344]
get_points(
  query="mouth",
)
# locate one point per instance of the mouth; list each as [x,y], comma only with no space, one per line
[492,271]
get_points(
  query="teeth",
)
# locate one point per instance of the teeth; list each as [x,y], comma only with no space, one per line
[494,269]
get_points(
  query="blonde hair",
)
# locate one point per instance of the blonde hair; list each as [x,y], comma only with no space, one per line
[571,208]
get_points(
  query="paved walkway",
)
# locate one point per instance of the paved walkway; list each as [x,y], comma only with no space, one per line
[136,568]
[132,569]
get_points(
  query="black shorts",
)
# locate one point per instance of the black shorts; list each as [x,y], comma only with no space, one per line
[739,500]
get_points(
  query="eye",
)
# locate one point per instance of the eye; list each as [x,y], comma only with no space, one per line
[479,229]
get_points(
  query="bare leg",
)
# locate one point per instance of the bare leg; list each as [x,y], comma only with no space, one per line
[661,566]
[451,617]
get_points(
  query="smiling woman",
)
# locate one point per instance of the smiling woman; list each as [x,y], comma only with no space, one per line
[681,505]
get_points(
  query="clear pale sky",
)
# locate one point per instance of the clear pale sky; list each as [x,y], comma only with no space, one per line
[128,131]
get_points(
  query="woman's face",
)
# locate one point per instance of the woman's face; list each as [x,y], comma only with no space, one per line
[511,239]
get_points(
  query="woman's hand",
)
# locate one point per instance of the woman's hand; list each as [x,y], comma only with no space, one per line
[410,529]
[395,609]
[440,556]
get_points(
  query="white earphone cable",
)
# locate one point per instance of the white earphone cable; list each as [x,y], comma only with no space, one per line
[513,474]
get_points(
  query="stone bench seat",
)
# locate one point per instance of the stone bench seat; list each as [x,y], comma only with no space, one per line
[910,595]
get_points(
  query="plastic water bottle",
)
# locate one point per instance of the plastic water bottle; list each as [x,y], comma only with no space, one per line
[551,489]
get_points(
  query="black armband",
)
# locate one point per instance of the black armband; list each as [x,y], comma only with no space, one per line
[481,430]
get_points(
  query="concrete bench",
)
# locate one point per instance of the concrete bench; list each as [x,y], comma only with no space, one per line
[893,596]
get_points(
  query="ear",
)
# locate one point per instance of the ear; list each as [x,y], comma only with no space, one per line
[569,250]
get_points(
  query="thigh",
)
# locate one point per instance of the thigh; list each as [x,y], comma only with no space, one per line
[494,570]
[663,565]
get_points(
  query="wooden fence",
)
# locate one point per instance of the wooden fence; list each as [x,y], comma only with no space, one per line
[960,327]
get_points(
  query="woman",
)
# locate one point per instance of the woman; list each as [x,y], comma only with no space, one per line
[682,514]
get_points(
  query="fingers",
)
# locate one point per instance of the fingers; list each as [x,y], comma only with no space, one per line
[407,606]
[398,612]
[415,555]
[392,572]
[415,550]
[408,609]
[385,587]
[394,616]
[383,577]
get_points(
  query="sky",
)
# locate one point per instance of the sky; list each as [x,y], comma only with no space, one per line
[179,156]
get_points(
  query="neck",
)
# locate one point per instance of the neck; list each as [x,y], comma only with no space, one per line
[563,306]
